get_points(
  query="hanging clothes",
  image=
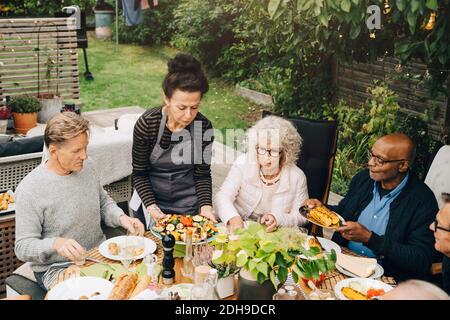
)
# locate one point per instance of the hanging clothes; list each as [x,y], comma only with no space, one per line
[132,12]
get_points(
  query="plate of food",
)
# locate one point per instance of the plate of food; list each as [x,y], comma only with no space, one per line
[322,216]
[360,289]
[7,201]
[114,247]
[358,267]
[81,288]
[203,230]
[323,244]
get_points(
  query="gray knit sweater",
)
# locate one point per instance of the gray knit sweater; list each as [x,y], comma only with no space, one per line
[49,206]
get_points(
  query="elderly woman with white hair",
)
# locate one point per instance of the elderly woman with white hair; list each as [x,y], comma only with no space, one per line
[264,184]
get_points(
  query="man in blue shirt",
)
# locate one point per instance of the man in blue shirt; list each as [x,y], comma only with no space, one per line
[388,210]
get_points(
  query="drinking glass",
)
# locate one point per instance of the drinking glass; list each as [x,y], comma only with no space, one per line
[199,292]
[127,253]
[81,260]
[153,268]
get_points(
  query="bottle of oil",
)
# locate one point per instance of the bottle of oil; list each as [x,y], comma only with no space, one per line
[188,265]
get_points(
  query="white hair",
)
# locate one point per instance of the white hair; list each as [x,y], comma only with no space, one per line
[279,130]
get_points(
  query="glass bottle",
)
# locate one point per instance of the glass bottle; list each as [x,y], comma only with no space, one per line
[211,285]
[188,264]
[200,290]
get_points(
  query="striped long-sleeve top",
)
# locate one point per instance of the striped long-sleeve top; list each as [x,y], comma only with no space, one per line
[144,139]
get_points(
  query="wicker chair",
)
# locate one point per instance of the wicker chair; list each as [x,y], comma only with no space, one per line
[12,170]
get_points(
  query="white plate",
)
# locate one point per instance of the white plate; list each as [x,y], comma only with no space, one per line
[328,245]
[73,289]
[183,289]
[11,206]
[150,247]
[157,234]
[379,271]
[365,284]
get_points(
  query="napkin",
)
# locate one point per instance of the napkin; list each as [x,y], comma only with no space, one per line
[147,294]
[362,267]
[110,271]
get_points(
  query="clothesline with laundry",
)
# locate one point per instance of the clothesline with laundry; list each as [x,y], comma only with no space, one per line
[132,10]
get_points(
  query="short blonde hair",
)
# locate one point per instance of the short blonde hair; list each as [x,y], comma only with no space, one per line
[281,129]
[63,127]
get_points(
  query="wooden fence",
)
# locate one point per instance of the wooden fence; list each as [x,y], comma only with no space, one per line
[38,57]
[352,81]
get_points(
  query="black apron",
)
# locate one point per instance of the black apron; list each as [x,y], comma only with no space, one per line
[173,182]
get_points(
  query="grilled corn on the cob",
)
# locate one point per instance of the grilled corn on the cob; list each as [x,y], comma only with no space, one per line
[352,294]
[324,216]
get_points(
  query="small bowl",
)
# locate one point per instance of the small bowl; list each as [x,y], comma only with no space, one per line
[324,294]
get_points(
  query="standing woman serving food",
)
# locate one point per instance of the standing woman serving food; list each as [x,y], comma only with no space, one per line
[172,148]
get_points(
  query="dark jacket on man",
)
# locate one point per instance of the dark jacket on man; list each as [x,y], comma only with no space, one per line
[446,274]
[406,250]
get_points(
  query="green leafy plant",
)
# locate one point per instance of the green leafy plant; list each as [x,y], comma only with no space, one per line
[24,104]
[270,256]
[410,29]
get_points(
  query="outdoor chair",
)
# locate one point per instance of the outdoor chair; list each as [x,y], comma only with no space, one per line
[317,154]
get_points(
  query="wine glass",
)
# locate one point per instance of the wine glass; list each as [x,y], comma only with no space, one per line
[128,250]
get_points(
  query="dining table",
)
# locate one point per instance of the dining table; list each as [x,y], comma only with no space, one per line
[328,283]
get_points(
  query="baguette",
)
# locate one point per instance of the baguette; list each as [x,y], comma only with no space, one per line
[141,286]
[124,286]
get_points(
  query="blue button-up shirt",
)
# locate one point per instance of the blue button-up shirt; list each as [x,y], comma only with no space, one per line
[375,216]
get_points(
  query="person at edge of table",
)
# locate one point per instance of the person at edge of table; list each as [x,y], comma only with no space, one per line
[61,203]
[388,210]
[264,184]
[441,229]
[172,147]
[415,290]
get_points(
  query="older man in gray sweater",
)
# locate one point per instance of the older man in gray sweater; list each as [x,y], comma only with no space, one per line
[61,203]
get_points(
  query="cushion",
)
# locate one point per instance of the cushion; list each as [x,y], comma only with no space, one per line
[22,146]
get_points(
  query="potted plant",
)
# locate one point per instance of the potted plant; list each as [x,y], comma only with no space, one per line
[51,102]
[267,258]
[24,110]
[224,260]
[5,114]
[103,20]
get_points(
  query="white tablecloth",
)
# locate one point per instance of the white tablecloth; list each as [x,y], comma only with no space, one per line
[110,150]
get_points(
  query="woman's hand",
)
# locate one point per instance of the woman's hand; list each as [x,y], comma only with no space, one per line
[270,221]
[155,212]
[208,213]
[133,225]
[235,223]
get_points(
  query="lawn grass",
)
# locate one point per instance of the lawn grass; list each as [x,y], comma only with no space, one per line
[132,76]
